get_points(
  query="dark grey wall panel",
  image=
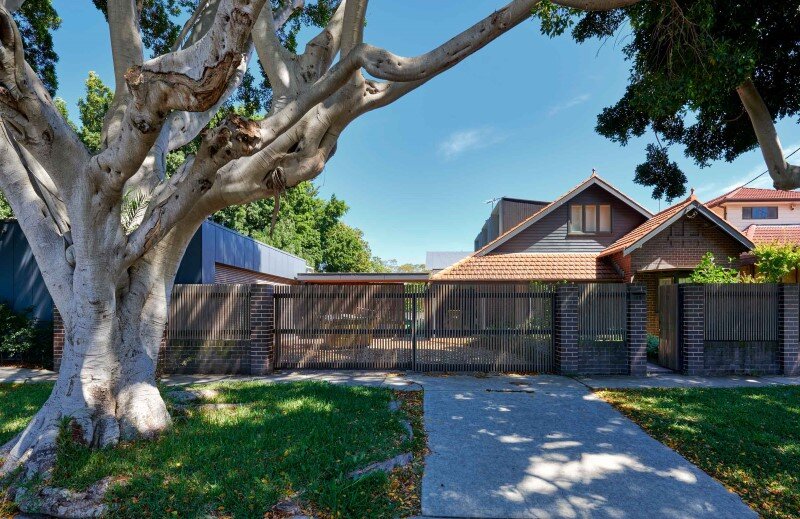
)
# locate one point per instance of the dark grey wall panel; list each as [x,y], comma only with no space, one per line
[21,282]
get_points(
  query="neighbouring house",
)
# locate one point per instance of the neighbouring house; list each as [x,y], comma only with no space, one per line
[596,233]
[765,216]
[506,213]
[440,260]
[215,254]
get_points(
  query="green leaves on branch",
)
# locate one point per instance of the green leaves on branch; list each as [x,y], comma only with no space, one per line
[663,174]
[36,20]
[687,58]
[20,333]
[776,261]
[707,271]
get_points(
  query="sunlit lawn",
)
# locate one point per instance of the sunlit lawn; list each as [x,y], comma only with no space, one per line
[749,439]
[288,439]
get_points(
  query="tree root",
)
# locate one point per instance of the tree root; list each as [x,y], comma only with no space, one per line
[65,503]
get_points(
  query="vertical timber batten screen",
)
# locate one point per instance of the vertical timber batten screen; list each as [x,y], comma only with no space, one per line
[741,313]
[602,328]
[441,327]
[741,329]
[208,329]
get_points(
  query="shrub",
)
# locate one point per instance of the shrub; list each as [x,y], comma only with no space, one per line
[652,346]
[775,261]
[24,339]
[707,271]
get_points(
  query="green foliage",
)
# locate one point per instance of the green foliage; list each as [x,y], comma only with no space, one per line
[5,209]
[19,331]
[36,20]
[346,250]
[707,271]
[92,109]
[308,226]
[652,346]
[746,438]
[775,261]
[687,58]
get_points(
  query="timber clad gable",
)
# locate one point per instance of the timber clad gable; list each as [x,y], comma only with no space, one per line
[551,233]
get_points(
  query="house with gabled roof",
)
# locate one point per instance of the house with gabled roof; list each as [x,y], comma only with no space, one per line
[596,233]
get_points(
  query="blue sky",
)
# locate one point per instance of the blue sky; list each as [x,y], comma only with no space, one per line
[516,119]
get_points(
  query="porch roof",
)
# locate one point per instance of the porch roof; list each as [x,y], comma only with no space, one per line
[660,221]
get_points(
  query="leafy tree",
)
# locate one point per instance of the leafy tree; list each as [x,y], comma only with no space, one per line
[707,271]
[776,261]
[36,20]
[346,250]
[710,76]
[92,109]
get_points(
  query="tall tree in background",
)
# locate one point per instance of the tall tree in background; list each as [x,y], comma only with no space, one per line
[112,281]
[710,76]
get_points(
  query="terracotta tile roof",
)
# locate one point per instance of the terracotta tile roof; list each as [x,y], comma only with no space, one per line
[752,194]
[530,267]
[647,227]
[762,234]
[544,210]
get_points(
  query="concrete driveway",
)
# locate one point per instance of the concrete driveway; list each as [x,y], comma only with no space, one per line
[508,447]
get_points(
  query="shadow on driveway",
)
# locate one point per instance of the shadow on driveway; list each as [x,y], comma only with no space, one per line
[558,451]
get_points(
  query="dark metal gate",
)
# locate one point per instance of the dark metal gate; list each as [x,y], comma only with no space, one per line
[669,346]
[440,327]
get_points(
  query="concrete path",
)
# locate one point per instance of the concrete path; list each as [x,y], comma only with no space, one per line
[544,446]
[666,380]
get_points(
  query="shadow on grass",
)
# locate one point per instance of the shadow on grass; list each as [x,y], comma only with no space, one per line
[284,439]
[748,438]
[18,403]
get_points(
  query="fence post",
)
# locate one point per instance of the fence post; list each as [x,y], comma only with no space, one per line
[636,333]
[413,331]
[692,316]
[788,333]
[58,339]
[262,329]
[565,327]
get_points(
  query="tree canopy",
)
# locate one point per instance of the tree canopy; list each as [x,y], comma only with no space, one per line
[697,68]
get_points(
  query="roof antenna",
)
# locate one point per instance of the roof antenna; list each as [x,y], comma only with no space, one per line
[492,201]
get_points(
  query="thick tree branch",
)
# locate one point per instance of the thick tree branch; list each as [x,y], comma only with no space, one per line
[33,214]
[31,115]
[784,175]
[127,52]
[353,25]
[191,79]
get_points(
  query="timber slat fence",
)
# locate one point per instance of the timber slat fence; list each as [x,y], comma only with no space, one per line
[441,327]
[208,329]
[741,312]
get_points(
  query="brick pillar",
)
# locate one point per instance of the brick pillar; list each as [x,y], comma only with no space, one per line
[161,358]
[262,329]
[788,331]
[692,315]
[565,326]
[637,330]
[58,339]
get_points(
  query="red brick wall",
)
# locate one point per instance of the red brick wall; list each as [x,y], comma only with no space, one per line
[683,244]
[227,275]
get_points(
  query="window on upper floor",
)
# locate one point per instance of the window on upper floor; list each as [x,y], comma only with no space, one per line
[590,219]
[760,213]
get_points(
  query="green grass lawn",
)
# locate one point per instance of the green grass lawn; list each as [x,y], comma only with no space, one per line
[749,439]
[286,439]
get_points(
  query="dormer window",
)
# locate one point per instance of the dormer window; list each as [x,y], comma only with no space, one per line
[590,219]
[760,213]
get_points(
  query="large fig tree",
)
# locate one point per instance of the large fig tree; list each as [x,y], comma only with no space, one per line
[110,280]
